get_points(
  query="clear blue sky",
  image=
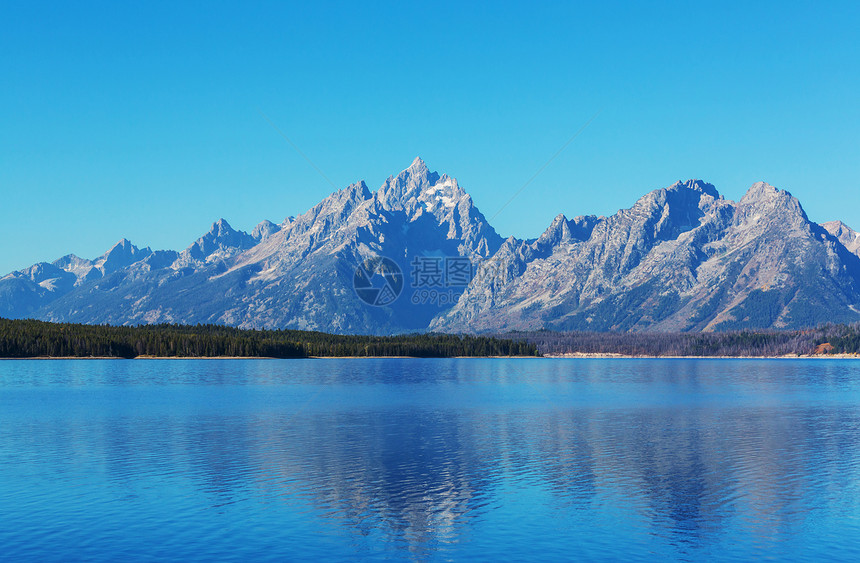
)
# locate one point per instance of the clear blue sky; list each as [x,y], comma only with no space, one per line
[141,119]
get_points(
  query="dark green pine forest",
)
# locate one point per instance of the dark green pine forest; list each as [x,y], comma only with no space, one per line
[30,339]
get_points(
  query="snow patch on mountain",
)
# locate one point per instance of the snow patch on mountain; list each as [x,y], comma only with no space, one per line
[681,258]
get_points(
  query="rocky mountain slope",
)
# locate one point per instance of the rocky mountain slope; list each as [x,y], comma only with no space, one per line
[682,258]
[844,234]
[298,274]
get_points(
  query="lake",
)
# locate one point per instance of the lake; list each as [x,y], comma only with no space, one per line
[414,459]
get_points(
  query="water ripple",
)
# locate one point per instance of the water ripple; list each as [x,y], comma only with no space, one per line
[424,459]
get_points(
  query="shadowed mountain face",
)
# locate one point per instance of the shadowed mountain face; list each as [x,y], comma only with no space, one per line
[682,258]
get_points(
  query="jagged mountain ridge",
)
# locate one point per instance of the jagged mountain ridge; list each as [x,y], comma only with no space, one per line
[849,238]
[682,258]
[298,274]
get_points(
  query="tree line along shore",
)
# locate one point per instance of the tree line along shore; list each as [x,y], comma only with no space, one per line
[34,339]
[26,338]
[824,340]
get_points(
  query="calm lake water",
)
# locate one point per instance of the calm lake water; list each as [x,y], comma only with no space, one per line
[487,459]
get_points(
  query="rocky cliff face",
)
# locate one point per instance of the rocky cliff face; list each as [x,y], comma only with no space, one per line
[682,258]
[849,238]
[298,274]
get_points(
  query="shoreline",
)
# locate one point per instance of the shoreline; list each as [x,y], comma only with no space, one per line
[262,357]
[564,356]
[610,356]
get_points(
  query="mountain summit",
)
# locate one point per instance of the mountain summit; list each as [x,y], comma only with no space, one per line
[681,258]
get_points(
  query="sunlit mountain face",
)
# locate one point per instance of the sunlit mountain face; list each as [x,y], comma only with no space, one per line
[417,254]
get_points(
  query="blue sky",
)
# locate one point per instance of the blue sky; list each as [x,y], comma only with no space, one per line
[143,119]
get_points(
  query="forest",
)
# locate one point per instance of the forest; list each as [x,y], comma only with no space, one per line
[31,339]
[826,339]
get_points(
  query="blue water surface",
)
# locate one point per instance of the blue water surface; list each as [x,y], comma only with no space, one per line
[412,459]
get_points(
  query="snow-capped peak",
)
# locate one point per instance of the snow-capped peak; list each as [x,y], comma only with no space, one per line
[397,192]
[445,193]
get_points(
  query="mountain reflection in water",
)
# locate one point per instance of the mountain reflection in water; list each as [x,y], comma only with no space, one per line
[433,459]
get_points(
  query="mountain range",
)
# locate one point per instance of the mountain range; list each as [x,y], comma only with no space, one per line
[682,258]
